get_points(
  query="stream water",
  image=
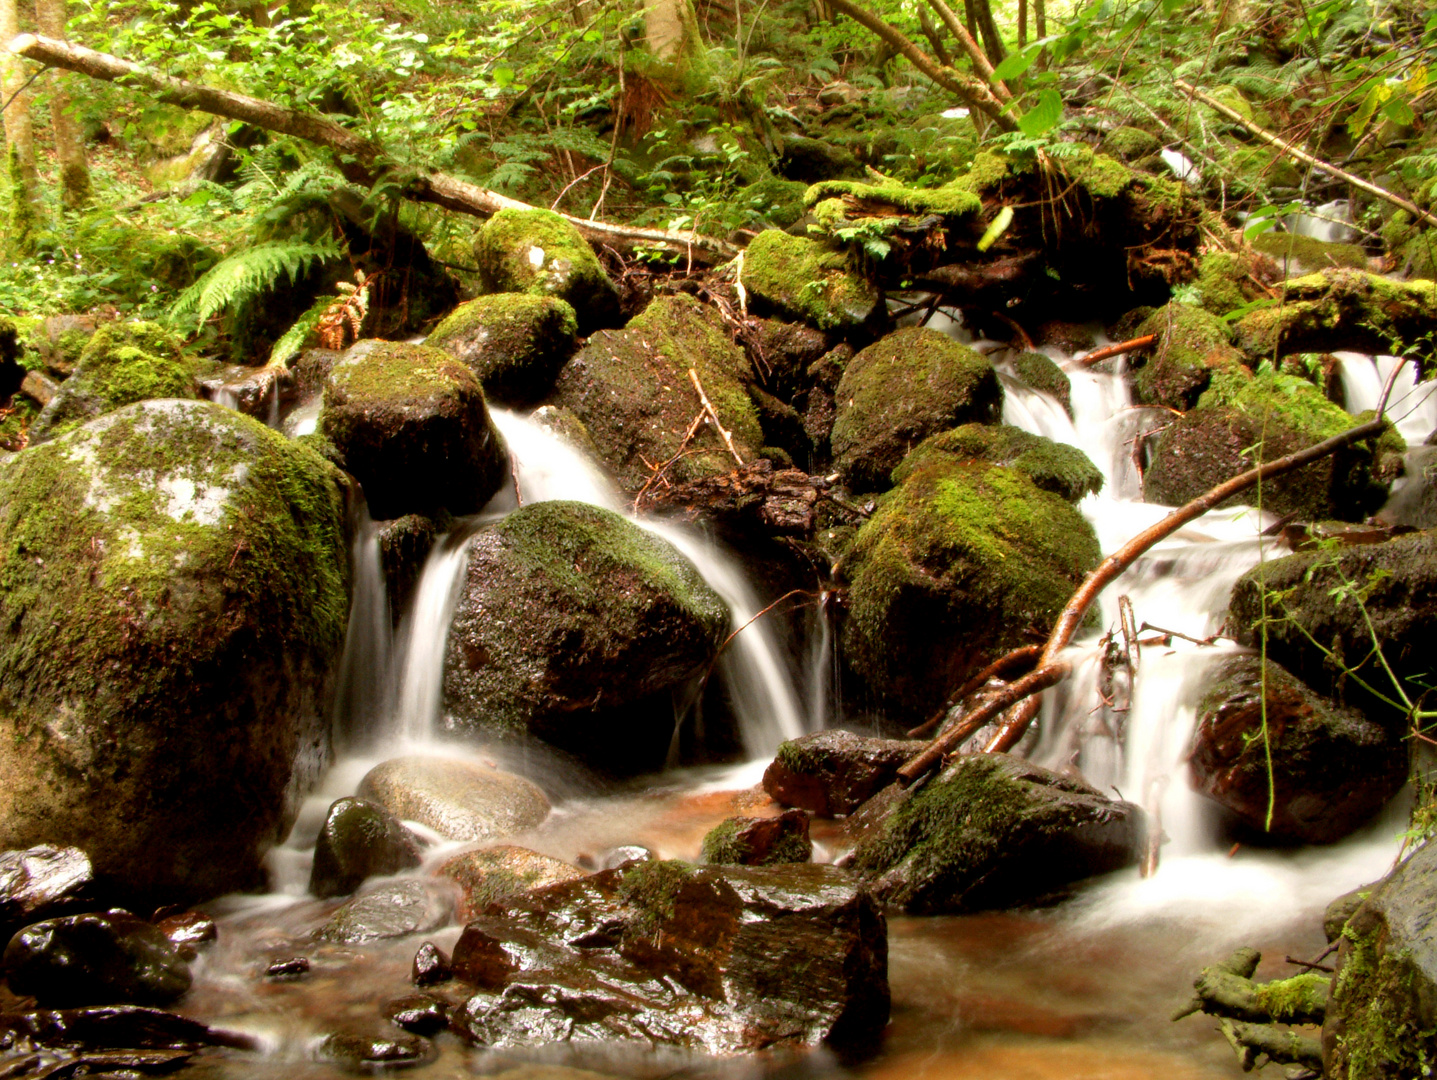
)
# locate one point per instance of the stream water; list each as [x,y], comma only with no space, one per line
[1080,990]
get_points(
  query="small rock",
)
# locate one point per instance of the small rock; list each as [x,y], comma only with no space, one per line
[96,959]
[39,387]
[482,960]
[760,841]
[292,967]
[42,881]
[833,773]
[430,966]
[500,872]
[112,1027]
[366,1053]
[626,853]
[188,930]
[1339,911]
[392,910]
[419,1015]
[461,800]
[359,839]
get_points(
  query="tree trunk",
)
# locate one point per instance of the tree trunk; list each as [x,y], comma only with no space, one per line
[1022,23]
[19,134]
[981,12]
[1040,14]
[69,151]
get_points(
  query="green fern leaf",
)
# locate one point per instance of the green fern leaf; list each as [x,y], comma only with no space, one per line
[301,334]
[246,275]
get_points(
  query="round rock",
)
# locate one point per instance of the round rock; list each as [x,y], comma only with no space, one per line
[461,800]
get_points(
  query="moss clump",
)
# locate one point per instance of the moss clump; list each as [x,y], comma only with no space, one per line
[1296,254]
[722,844]
[1340,309]
[652,888]
[1040,373]
[1130,143]
[955,199]
[1191,345]
[1378,992]
[1227,280]
[537,251]
[773,202]
[376,374]
[900,390]
[1064,470]
[1287,400]
[514,342]
[1414,249]
[1293,1000]
[808,280]
[758,841]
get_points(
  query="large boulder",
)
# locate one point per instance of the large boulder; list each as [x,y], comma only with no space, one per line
[632,392]
[460,800]
[537,251]
[1191,344]
[914,383]
[960,563]
[575,626]
[413,427]
[515,342]
[806,279]
[359,839]
[1326,614]
[991,831]
[1264,738]
[833,773]
[1277,415]
[96,959]
[1382,1013]
[718,959]
[174,592]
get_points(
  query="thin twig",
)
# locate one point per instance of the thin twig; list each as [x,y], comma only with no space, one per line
[659,470]
[1207,641]
[582,176]
[709,407]
[1107,352]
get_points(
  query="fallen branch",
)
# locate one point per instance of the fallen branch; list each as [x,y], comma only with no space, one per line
[1291,150]
[1004,667]
[1107,352]
[975,51]
[360,160]
[1253,1041]
[659,470]
[709,408]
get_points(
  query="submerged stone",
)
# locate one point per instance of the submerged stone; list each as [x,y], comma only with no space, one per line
[359,839]
[576,626]
[833,773]
[98,959]
[993,831]
[514,342]
[174,592]
[538,252]
[460,800]
[392,910]
[373,1053]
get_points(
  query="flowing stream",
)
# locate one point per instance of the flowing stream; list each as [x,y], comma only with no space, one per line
[1080,990]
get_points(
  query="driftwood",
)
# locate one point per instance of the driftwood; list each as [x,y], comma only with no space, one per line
[781,502]
[1049,668]
[360,160]
[1005,667]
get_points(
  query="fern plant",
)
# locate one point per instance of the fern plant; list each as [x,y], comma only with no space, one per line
[245,276]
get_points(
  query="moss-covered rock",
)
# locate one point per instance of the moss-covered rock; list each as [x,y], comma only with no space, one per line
[774,202]
[631,391]
[1296,255]
[537,251]
[173,597]
[766,841]
[575,626]
[494,874]
[1057,467]
[962,562]
[120,364]
[1291,766]
[809,280]
[900,390]
[515,342]
[993,831]
[1228,280]
[1038,372]
[1340,309]
[808,160]
[413,427]
[1130,143]
[1192,343]
[1241,420]
[359,839]
[832,773]
[1413,249]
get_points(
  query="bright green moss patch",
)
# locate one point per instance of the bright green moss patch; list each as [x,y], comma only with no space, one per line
[1064,470]
[1290,401]
[1307,252]
[382,373]
[954,199]
[1192,344]
[653,889]
[808,280]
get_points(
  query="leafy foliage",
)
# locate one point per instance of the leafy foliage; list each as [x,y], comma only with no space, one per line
[246,275]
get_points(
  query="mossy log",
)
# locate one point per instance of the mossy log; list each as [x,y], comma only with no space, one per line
[1341,309]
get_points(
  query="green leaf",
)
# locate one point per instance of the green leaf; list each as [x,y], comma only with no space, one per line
[997,229]
[1015,64]
[1399,112]
[1046,110]
[503,75]
[1370,103]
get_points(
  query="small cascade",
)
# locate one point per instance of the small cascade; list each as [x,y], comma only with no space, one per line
[418,713]
[363,700]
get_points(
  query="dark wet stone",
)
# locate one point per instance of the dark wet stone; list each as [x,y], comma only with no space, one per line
[831,773]
[389,911]
[419,1014]
[500,872]
[359,839]
[112,1026]
[367,1053]
[42,881]
[291,967]
[718,959]
[1339,911]
[992,831]
[430,966]
[96,959]
[188,930]
[742,841]
[404,545]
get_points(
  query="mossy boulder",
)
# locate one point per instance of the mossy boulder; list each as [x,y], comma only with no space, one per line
[1191,344]
[774,202]
[811,160]
[575,626]
[809,280]
[414,430]
[1243,419]
[359,839]
[1228,280]
[1382,1012]
[832,773]
[900,390]
[762,841]
[1053,466]
[992,831]
[631,390]
[122,363]
[174,592]
[1296,254]
[960,563]
[539,252]
[1340,309]
[1310,601]
[515,342]
[1037,371]
[1130,143]
[1291,766]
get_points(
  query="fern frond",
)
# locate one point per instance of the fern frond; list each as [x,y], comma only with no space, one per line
[298,337]
[246,275]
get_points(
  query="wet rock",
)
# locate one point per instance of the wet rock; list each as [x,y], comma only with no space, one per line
[1337,913]
[430,966]
[1053,466]
[404,545]
[1038,372]
[258,392]
[1382,1013]
[419,1014]
[289,968]
[960,563]
[395,909]
[1191,344]
[1312,597]
[894,394]
[43,881]
[497,873]
[575,626]
[39,387]
[461,800]
[538,252]
[631,391]
[992,831]
[1339,309]
[1326,770]
[804,279]
[359,839]
[722,960]
[1130,143]
[625,853]
[187,931]
[96,959]
[1296,255]
[413,428]
[370,1053]
[514,342]
[1066,337]
[782,353]
[1414,503]
[111,1027]
[1278,414]
[177,592]
[121,364]
[741,841]
[833,773]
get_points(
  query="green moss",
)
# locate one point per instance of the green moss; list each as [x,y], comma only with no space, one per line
[1377,991]
[538,251]
[726,844]
[1292,251]
[147,336]
[653,889]
[1227,280]
[15,420]
[1040,373]
[953,200]
[1101,176]
[1291,1001]
[721,844]
[1192,344]
[809,280]
[774,201]
[1293,402]
[1064,470]
[794,756]
[1130,143]
[514,342]
[393,373]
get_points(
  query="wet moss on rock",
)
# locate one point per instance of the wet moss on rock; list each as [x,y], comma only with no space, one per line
[808,280]
[1297,254]
[514,342]
[1130,143]
[1039,372]
[1064,470]
[539,252]
[1191,345]
[1339,309]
